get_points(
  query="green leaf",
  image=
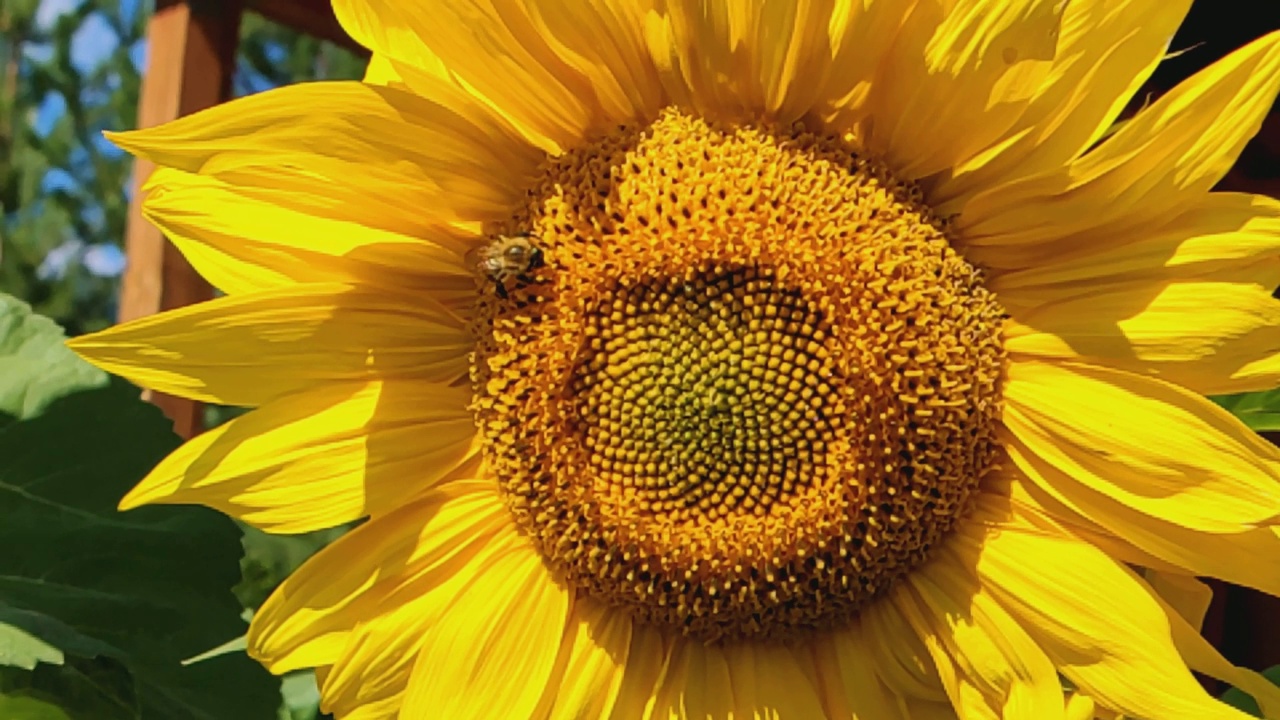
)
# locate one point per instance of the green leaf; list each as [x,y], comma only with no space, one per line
[1259,410]
[125,596]
[269,559]
[301,696]
[1237,698]
[100,688]
[49,632]
[19,648]
[22,707]
[35,367]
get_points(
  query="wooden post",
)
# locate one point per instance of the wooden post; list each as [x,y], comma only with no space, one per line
[191,52]
[313,17]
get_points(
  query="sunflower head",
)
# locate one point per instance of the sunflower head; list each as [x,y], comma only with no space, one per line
[760,358]
[752,385]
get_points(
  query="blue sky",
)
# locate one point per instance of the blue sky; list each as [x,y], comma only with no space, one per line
[92,43]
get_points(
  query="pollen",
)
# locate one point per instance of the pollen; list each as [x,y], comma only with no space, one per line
[751,385]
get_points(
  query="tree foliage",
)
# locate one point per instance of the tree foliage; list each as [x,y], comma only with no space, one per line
[64,190]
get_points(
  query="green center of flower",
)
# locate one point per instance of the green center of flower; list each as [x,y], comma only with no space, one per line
[748,386]
[707,396]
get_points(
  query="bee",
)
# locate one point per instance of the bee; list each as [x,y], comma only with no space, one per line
[505,257]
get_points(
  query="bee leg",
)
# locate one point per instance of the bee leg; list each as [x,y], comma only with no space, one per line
[500,289]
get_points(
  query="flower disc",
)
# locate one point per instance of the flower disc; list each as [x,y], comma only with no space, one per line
[752,384]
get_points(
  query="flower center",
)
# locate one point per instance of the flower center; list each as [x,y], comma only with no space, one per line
[750,383]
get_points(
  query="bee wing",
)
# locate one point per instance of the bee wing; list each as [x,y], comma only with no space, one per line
[484,259]
[476,256]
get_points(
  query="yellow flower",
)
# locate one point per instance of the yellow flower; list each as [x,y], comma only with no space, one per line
[839,367]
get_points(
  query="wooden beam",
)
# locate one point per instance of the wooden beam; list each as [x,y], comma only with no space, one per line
[191,52]
[313,17]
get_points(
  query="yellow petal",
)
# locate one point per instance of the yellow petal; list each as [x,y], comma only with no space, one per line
[769,58]
[495,646]
[1179,457]
[861,34]
[1007,674]
[321,457]
[250,230]
[248,349]
[904,663]
[404,63]
[397,52]
[1030,500]
[1199,654]
[854,688]
[925,710]
[1221,235]
[792,50]
[1102,58]
[1115,645]
[1166,156]
[598,641]
[1211,337]
[736,680]
[604,42]
[1249,556]
[1081,707]
[704,686]
[381,70]
[771,681]
[376,663]
[957,77]
[966,699]
[306,622]
[648,663]
[556,71]
[379,709]
[383,144]
[1184,594]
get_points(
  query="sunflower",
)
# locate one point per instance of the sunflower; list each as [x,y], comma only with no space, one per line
[729,358]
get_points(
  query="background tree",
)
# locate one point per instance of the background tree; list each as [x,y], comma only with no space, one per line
[67,77]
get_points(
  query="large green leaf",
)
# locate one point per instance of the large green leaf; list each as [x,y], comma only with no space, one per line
[1259,410]
[124,597]
[25,707]
[19,648]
